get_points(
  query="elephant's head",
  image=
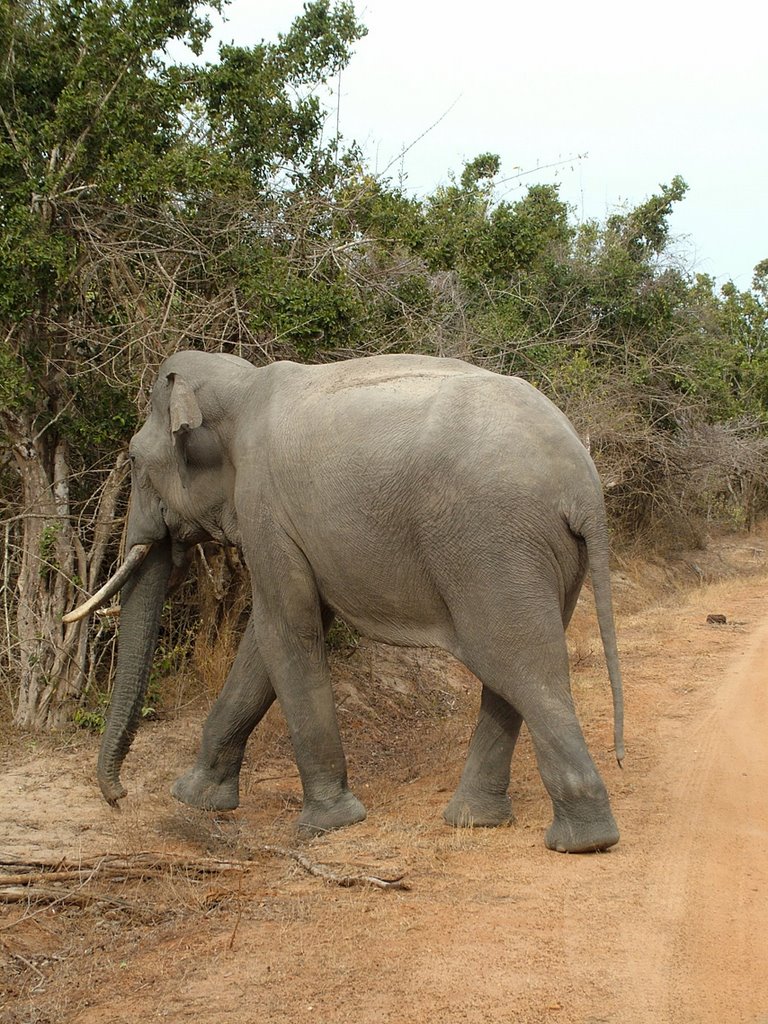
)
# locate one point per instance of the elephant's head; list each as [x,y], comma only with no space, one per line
[182,483]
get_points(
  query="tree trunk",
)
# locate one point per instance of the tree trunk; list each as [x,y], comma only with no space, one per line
[53,657]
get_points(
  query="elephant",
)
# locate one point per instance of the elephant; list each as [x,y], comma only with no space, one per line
[428,502]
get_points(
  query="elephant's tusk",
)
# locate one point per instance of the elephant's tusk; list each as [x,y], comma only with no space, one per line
[136,556]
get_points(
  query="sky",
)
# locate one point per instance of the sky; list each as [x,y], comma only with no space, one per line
[620,97]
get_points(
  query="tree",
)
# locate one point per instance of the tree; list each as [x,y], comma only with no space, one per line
[744,324]
[130,188]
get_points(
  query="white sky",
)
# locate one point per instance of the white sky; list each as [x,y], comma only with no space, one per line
[646,91]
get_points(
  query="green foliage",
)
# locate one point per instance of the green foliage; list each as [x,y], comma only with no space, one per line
[47,548]
[744,321]
[260,103]
[87,101]
[342,639]
[93,718]
[111,155]
[370,207]
[483,168]
[644,231]
[16,389]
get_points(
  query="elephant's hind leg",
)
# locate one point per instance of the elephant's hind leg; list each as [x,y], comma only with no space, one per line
[481,798]
[213,782]
[537,685]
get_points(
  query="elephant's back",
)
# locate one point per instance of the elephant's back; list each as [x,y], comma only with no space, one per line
[427,391]
[421,416]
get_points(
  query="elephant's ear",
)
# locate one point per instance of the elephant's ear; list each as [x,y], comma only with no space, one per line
[185,416]
[184,410]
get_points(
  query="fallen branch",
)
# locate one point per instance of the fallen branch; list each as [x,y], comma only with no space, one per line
[324,871]
[24,884]
[131,866]
[71,897]
[81,874]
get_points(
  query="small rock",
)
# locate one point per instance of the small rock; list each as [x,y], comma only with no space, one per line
[717,620]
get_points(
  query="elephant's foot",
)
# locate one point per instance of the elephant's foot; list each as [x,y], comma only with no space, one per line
[582,835]
[199,788]
[320,816]
[474,809]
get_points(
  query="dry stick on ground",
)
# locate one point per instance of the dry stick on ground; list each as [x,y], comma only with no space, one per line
[72,897]
[132,864]
[323,871]
[23,886]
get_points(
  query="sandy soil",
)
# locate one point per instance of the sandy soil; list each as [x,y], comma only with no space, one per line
[669,927]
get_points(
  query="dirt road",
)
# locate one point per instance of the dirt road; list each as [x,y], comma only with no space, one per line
[669,927]
[700,939]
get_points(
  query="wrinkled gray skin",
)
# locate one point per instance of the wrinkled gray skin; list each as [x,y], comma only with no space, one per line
[427,502]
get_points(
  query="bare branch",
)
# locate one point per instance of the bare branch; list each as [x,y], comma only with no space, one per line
[344,880]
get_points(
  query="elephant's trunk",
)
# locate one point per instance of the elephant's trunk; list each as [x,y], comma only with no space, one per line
[142,604]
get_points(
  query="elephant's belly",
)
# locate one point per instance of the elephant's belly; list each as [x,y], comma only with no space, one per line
[400,634]
[405,612]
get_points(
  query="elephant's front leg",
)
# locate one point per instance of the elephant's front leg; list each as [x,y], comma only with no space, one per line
[213,782]
[291,636]
[481,798]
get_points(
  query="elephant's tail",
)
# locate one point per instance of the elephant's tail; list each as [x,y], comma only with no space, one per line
[595,533]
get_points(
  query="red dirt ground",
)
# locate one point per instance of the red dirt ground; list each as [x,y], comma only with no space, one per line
[669,927]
